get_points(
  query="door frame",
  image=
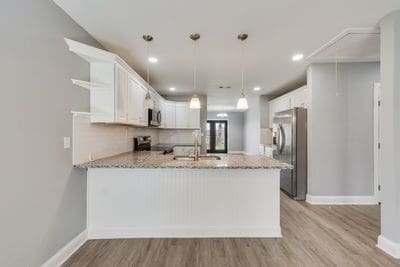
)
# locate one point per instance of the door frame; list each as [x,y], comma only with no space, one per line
[226,134]
[377,106]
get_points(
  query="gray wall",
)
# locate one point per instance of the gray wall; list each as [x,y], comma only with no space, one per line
[42,197]
[235,129]
[252,125]
[341,131]
[389,167]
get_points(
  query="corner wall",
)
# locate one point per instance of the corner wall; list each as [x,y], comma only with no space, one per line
[341,132]
[42,197]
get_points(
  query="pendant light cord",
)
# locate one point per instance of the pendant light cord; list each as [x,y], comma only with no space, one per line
[195,65]
[242,64]
[148,68]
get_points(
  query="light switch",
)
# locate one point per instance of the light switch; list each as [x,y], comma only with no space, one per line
[67,142]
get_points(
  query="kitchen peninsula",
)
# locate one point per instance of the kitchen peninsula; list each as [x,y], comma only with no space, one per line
[148,194]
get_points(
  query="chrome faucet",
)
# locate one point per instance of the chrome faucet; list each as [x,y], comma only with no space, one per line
[196,135]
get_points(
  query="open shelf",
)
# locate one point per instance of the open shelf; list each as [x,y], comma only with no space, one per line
[90,85]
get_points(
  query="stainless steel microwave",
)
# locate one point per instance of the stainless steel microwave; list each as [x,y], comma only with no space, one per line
[154,117]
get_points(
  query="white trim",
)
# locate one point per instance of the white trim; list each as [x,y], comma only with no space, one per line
[388,246]
[341,200]
[370,30]
[377,98]
[65,252]
[184,232]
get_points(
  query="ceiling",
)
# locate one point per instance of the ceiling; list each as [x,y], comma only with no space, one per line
[277,30]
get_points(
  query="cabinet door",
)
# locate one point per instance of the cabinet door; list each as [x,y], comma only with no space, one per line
[283,104]
[193,118]
[121,94]
[135,102]
[143,112]
[181,115]
[300,99]
[169,115]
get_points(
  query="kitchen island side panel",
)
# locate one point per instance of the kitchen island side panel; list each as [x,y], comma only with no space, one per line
[129,203]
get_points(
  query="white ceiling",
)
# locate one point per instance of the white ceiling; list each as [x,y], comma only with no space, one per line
[277,30]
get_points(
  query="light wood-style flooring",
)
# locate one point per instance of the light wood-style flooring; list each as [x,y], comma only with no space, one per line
[312,236]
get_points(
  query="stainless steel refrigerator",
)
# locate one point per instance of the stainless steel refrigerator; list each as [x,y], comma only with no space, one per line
[290,146]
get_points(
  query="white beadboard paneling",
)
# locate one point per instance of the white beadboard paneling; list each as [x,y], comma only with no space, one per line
[176,136]
[126,203]
[103,140]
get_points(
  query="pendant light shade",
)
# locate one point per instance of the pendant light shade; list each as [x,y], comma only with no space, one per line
[148,101]
[195,101]
[242,102]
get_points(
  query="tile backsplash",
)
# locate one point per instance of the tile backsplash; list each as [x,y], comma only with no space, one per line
[94,140]
[176,136]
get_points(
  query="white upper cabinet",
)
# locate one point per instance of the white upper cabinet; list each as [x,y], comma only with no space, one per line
[121,94]
[181,116]
[300,98]
[169,114]
[296,98]
[136,108]
[193,118]
[117,93]
[178,115]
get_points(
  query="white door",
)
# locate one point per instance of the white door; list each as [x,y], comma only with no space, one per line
[169,115]
[193,118]
[181,115]
[377,138]
[143,111]
[121,94]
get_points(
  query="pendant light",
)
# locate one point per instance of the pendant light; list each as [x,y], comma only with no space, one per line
[242,102]
[148,101]
[195,101]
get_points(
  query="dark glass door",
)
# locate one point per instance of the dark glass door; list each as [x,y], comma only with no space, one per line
[217,137]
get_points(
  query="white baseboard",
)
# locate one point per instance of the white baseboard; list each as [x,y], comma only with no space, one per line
[341,200]
[388,246]
[64,253]
[183,232]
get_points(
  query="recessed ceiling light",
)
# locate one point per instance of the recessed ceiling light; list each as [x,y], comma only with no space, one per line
[172,89]
[257,88]
[297,57]
[153,59]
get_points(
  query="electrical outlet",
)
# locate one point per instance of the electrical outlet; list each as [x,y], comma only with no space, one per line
[67,142]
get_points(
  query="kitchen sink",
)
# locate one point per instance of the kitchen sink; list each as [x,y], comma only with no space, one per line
[201,157]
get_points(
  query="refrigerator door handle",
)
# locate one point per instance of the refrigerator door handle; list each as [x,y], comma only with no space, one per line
[282,138]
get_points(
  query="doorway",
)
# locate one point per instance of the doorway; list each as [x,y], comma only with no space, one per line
[217,136]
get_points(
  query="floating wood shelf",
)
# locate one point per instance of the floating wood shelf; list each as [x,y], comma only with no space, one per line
[90,85]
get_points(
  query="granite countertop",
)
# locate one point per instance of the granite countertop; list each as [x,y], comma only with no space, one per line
[155,159]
